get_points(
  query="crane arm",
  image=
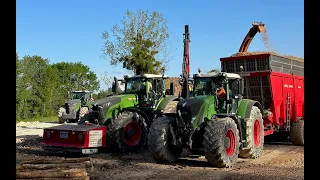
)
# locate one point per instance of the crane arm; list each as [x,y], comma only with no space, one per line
[256,27]
[185,63]
[186,52]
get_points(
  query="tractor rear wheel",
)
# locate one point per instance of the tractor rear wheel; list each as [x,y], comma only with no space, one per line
[297,133]
[160,140]
[221,142]
[61,111]
[127,133]
[254,135]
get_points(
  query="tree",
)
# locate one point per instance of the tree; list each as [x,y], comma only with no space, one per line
[140,39]
[30,94]
[76,76]
[214,70]
[41,87]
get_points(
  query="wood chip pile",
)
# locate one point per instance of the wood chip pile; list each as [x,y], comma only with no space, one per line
[177,86]
[267,52]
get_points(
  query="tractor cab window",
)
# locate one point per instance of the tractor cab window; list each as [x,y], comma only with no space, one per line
[203,86]
[78,95]
[207,85]
[234,87]
[133,85]
[159,86]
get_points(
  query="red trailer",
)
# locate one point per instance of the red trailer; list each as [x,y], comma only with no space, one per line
[278,84]
[84,139]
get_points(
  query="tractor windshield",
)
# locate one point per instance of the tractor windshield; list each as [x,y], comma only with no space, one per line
[83,96]
[133,85]
[78,95]
[207,85]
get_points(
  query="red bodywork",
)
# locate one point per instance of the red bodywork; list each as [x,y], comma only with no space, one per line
[280,85]
[74,137]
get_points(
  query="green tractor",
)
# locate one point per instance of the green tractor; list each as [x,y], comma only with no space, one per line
[76,107]
[129,115]
[221,125]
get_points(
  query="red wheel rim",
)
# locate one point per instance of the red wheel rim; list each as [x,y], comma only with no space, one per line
[231,149]
[132,133]
[257,133]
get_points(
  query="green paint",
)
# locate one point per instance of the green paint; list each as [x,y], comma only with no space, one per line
[242,107]
[126,101]
[207,110]
[78,106]
[161,105]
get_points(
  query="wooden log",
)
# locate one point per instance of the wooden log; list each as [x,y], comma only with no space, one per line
[50,166]
[52,173]
[82,178]
[47,161]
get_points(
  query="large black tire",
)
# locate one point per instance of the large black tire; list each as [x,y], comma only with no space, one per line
[117,134]
[297,133]
[221,142]
[160,140]
[254,135]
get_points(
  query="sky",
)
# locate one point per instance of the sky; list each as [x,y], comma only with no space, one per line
[71,31]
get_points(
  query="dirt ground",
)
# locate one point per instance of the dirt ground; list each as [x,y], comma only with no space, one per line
[279,161]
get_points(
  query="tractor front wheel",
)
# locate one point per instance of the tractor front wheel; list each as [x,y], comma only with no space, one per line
[61,111]
[254,135]
[297,133]
[127,133]
[221,142]
[160,140]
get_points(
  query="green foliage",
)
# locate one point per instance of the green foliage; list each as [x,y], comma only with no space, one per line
[40,119]
[76,76]
[140,41]
[104,93]
[41,88]
[214,70]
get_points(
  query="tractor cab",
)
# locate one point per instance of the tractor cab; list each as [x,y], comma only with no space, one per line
[84,96]
[227,88]
[149,88]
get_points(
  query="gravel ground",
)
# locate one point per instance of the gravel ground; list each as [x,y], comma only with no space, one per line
[279,161]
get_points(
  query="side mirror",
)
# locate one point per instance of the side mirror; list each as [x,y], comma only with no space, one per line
[115,85]
[171,89]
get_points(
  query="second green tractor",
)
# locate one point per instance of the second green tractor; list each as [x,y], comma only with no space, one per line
[216,122]
[130,114]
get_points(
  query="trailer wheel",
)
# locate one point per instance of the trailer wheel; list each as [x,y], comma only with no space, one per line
[297,133]
[127,133]
[221,142]
[159,140]
[254,135]
[61,111]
